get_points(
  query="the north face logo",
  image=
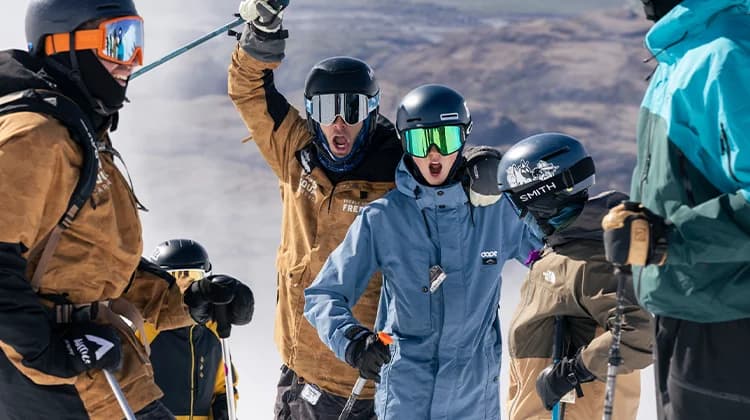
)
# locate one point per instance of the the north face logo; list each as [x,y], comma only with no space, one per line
[489,257]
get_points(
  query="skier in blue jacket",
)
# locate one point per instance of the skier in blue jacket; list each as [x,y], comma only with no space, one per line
[441,260]
[692,180]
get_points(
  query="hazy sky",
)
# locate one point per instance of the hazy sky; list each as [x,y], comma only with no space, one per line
[180,138]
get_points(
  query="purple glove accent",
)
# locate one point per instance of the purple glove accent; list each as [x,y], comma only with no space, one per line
[534,255]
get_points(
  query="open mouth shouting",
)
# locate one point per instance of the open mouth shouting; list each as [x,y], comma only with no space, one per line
[435,169]
[341,145]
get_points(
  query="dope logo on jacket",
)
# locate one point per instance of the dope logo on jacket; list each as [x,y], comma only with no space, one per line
[489,257]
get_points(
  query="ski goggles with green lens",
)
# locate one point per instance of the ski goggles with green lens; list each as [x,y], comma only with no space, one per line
[448,139]
[351,107]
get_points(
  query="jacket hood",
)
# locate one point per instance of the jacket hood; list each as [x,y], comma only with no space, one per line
[452,195]
[20,71]
[588,225]
[690,16]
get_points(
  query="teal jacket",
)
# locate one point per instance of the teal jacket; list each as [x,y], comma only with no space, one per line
[446,352]
[693,163]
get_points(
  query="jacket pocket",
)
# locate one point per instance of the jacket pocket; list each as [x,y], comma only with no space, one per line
[409,307]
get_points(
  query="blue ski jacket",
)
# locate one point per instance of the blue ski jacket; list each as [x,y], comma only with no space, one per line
[693,163]
[445,359]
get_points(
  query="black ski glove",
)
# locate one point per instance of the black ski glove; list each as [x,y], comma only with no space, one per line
[219,408]
[366,352]
[204,294]
[481,175]
[78,348]
[558,379]
[634,235]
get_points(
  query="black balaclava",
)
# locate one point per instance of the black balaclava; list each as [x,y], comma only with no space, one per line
[89,83]
[656,9]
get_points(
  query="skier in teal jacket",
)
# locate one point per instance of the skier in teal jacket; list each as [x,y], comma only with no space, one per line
[692,180]
[441,260]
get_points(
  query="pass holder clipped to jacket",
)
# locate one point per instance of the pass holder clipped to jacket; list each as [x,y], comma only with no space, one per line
[437,277]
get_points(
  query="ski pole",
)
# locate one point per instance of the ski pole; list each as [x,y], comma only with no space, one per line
[360,384]
[119,395]
[614,351]
[224,329]
[558,411]
[188,47]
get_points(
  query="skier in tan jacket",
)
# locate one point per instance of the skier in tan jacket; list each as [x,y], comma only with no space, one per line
[547,177]
[330,163]
[70,235]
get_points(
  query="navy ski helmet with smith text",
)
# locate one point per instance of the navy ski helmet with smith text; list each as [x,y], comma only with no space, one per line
[548,176]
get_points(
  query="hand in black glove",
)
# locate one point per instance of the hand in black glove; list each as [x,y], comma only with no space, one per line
[634,235]
[558,379]
[481,175]
[78,348]
[366,352]
[203,295]
[263,15]
[219,408]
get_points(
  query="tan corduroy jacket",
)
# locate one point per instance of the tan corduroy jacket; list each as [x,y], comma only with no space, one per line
[96,258]
[315,218]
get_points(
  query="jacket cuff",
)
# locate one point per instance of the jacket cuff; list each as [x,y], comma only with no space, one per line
[267,50]
[341,339]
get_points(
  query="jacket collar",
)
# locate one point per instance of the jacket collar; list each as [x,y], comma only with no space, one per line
[428,197]
[687,18]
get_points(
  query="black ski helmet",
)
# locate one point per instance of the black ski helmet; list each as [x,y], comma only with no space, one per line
[545,174]
[179,254]
[342,75]
[47,17]
[656,9]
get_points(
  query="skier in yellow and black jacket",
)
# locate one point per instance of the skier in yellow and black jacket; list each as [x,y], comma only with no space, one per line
[188,362]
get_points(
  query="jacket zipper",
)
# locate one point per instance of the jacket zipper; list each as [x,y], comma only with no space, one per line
[644,172]
[728,150]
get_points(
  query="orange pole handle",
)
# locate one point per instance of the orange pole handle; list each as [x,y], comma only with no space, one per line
[385,338]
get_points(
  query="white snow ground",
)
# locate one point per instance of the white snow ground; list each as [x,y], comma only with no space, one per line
[181,140]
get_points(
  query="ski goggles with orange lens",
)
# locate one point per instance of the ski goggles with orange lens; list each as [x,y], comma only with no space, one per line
[119,40]
[351,107]
[191,274]
[448,139]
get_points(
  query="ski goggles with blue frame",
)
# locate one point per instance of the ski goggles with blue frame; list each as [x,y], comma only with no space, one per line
[447,138]
[351,107]
[118,40]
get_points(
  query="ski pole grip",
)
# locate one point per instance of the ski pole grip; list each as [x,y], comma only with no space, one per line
[223,326]
[385,338]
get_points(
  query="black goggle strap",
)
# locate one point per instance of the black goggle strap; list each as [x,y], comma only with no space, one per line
[522,198]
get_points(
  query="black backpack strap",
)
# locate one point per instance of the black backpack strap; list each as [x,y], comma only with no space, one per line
[72,117]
